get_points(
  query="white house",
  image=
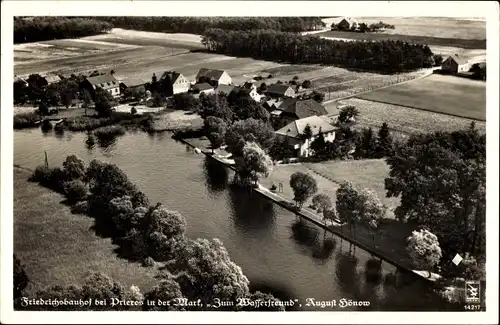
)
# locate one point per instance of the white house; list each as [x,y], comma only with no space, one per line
[251,88]
[214,77]
[293,134]
[105,81]
[175,82]
[455,64]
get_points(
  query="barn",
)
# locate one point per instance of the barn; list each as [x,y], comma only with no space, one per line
[455,64]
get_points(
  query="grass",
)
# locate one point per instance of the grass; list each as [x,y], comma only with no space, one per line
[58,247]
[437,93]
[428,40]
[404,119]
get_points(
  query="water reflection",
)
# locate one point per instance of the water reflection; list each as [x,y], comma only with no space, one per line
[216,175]
[250,210]
[304,234]
[107,145]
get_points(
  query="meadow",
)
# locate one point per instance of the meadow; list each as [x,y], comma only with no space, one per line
[437,93]
[58,247]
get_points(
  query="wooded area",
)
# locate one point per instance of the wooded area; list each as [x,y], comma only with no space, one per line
[384,56]
[32,29]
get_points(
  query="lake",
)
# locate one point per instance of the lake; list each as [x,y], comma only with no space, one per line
[277,253]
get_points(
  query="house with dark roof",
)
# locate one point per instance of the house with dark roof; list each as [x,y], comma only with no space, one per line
[213,77]
[294,136]
[203,88]
[226,89]
[105,81]
[174,83]
[292,109]
[455,64]
[132,83]
[280,91]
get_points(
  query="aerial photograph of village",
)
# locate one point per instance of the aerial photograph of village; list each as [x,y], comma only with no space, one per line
[249,163]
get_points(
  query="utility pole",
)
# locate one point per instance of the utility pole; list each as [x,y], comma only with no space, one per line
[46,161]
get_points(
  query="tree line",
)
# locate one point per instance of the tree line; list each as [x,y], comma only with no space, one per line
[33,29]
[197,25]
[383,56]
[197,269]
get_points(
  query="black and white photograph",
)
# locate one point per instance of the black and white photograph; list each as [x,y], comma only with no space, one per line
[217,156]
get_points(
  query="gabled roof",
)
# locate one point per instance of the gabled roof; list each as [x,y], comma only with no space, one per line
[302,107]
[171,74]
[133,82]
[458,59]
[210,73]
[278,89]
[51,78]
[202,86]
[226,89]
[348,19]
[104,81]
[296,128]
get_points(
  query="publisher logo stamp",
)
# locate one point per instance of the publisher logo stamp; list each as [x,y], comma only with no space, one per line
[472,292]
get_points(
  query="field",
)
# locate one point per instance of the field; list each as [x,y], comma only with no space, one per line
[445,36]
[437,93]
[403,119]
[140,54]
[58,247]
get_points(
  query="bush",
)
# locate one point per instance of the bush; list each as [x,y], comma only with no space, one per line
[27,120]
[270,76]
[109,131]
[295,77]
[52,178]
[307,84]
[59,128]
[81,207]
[75,190]
[148,262]
[274,187]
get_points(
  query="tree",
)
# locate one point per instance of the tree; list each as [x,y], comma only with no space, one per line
[262,87]
[318,96]
[157,99]
[68,91]
[75,190]
[348,205]
[74,168]
[215,130]
[438,59]
[348,114]
[20,278]
[205,271]
[136,93]
[43,109]
[87,99]
[441,179]
[367,144]
[303,186]
[323,204]
[319,145]
[256,162]
[104,102]
[164,229]
[384,142]
[249,130]
[307,84]
[307,133]
[423,248]
[371,210]
[167,290]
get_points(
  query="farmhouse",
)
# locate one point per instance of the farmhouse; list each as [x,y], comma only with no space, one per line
[213,77]
[132,83]
[174,83]
[293,134]
[251,90]
[105,81]
[344,23]
[280,91]
[292,109]
[455,64]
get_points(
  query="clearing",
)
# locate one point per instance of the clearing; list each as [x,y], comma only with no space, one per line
[58,247]
[437,93]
